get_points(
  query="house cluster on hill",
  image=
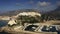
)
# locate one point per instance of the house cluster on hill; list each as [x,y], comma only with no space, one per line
[25,15]
[31,21]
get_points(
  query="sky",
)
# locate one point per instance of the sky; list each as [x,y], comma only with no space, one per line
[42,5]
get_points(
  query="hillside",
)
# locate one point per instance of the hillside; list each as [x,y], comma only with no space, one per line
[54,14]
[15,12]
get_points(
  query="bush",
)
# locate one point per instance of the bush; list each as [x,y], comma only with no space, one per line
[28,19]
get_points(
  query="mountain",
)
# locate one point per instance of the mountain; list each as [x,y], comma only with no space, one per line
[15,12]
[55,13]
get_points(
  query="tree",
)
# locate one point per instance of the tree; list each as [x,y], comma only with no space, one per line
[28,19]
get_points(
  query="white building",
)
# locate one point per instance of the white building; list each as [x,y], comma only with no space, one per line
[29,14]
[11,22]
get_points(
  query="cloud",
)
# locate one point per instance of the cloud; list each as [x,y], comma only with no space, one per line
[43,4]
[30,2]
[46,6]
[58,3]
[18,4]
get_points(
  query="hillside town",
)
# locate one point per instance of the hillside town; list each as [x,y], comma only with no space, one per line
[26,20]
[29,16]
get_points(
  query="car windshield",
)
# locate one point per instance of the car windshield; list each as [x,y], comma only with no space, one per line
[31,27]
[49,29]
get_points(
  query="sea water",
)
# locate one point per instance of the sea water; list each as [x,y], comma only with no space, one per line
[3,23]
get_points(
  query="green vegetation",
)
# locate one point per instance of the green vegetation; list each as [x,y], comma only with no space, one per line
[28,19]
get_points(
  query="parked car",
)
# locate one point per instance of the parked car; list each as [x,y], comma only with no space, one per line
[44,28]
[49,29]
[31,27]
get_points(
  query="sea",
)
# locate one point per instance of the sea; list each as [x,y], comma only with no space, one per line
[2,24]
